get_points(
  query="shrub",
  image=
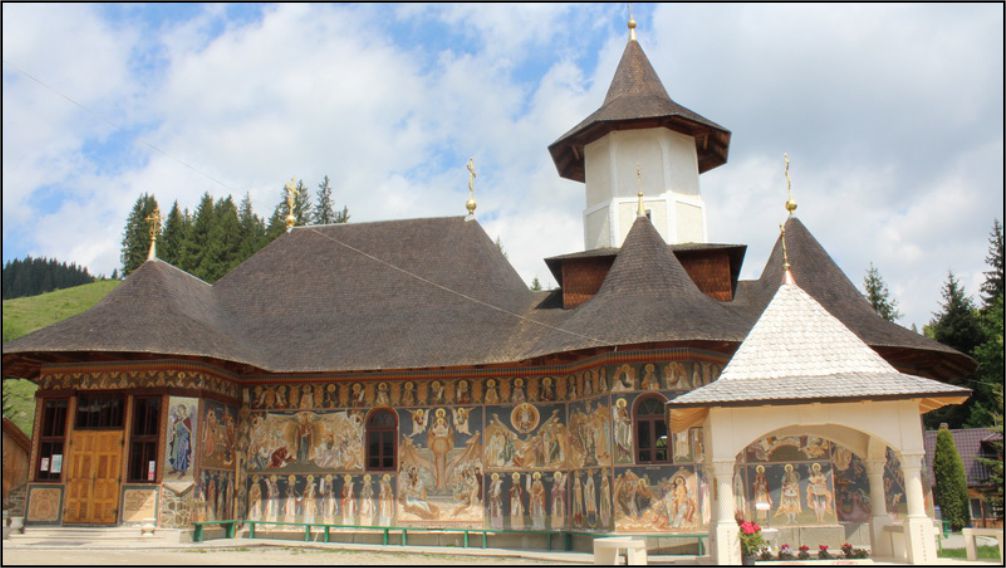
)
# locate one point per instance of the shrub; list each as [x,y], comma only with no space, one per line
[951,491]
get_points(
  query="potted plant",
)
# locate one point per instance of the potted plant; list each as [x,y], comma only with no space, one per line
[804,552]
[786,552]
[751,541]
[822,552]
[847,550]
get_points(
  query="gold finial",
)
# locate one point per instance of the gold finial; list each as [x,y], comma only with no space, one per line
[470,204]
[154,222]
[632,25]
[640,210]
[787,276]
[790,202]
[291,197]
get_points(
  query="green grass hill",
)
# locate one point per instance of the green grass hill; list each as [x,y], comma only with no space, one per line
[22,316]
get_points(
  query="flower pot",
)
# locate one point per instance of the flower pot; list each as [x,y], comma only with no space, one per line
[749,559]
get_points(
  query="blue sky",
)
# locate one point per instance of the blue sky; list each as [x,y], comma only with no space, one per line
[892,114]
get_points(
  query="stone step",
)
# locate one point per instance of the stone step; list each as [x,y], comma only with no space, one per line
[110,535]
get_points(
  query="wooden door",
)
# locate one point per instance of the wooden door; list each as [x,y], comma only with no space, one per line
[93,475]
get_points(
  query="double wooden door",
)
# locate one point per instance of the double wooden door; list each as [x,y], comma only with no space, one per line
[93,475]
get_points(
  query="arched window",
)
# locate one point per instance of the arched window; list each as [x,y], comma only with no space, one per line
[382,434]
[651,431]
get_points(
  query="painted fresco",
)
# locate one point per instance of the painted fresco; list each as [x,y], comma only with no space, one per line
[367,394]
[138,378]
[788,448]
[526,436]
[535,500]
[218,437]
[306,441]
[852,486]
[181,431]
[590,434]
[657,499]
[590,500]
[215,493]
[796,494]
[621,419]
[894,485]
[340,499]
[440,464]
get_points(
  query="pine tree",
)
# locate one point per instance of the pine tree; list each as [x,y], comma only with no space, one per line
[951,491]
[535,284]
[136,237]
[992,288]
[252,229]
[324,211]
[879,296]
[198,237]
[221,251]
[176,226]
[956,325]
[115,274]
[342,216]
[302,205]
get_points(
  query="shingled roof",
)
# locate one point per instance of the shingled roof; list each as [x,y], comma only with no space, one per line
[425,293]
[637,99]
[648,296]
[820,276]
[797,351]
[157,309]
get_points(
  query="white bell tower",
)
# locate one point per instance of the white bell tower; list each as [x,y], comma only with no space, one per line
[641,141]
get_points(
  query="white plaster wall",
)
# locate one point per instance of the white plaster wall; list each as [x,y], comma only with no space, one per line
[896,423]
[669,178]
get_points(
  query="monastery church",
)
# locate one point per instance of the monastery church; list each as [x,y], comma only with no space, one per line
[401,374]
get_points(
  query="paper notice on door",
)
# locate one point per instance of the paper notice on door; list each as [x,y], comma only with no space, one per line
[45,464]
[57,463]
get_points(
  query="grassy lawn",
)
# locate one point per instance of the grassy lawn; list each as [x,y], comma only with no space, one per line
[984,553]
[22,316]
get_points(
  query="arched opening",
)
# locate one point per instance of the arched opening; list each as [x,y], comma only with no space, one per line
[652,435]
[382,440]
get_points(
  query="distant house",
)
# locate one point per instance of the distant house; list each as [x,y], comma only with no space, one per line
[973,444]
[16,446]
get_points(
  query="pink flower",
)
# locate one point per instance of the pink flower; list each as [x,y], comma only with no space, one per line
[823,547]
[804,547]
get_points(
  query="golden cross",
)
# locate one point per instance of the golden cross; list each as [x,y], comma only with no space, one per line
[470,204]
[154,224]
[291,192]
[471,175]
[790,202]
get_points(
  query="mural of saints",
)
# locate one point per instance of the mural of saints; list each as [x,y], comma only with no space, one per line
[590,435]
[181,428]
[623,431]
[819,496]
[524,440]
[440,459]
[495,501]
[671,504]
[790,505]
[313,442]
[516,503]
[762,495]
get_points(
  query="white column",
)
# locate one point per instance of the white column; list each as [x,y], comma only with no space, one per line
[726,545]
[920,537]
[880,543]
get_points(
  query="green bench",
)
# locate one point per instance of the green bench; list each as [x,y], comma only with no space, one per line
[230,529]
[198,533]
